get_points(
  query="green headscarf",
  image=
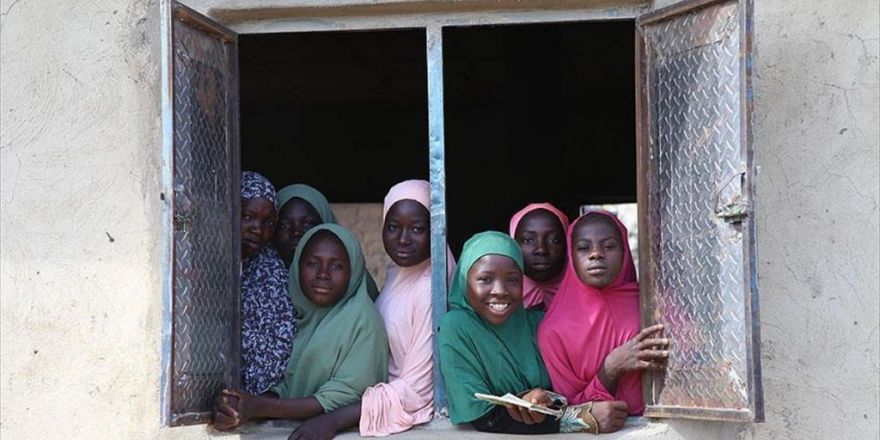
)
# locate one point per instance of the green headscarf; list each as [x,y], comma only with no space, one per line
[338,351]
[322,206]
[310,195]
[478,357]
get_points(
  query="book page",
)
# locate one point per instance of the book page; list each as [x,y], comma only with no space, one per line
[510,399]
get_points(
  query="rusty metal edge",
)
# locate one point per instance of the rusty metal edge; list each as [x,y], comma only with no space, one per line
[647,287]
[674,10]
[709,414]
[188,419]
[233,378]
[196,19]
[752,297]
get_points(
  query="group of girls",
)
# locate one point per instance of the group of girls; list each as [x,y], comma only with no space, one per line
[549,313]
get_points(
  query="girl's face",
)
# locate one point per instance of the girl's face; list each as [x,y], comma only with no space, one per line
[257,225]
[542,241]
[495,288]
[597,253]
[297,216]
[406,233]
[324,270]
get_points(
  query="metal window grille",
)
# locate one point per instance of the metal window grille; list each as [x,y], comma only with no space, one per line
[697,209]
[200,100]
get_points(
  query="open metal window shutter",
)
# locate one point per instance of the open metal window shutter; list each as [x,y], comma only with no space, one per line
[696,196]
[201,351]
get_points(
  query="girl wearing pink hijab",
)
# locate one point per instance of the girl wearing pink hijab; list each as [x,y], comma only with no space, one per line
[590,338]
[539,229]
[405,304]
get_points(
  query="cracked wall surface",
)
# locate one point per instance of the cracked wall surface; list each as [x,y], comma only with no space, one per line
[80,227]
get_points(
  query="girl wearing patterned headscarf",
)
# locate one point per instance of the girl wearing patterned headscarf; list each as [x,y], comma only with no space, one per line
[267,325]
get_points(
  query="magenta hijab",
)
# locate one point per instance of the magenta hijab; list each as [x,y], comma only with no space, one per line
[538,294]
[585,324]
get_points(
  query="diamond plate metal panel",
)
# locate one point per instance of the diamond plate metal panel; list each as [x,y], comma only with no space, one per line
[205,262]
[698,209]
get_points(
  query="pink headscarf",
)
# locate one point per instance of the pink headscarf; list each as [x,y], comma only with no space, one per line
[405,305]
[538,293]
[585,324]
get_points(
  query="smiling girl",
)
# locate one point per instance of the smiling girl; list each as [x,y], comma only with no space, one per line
[487,345]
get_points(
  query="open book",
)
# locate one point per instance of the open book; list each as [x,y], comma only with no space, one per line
[510,399]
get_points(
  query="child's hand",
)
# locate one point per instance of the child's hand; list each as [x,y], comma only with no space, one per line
[234,408]
[320,427]
[246,404]
[639,353]
[520,414]
[610,416]
[225,414]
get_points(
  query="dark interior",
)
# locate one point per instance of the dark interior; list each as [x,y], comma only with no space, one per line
[345,112]
[533,113]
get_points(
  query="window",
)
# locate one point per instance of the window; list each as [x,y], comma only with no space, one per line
[691,156]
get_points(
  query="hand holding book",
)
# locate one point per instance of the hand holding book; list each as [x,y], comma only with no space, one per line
[509,399]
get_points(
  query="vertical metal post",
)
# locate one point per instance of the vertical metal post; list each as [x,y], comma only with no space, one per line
[167,207]
[437,162]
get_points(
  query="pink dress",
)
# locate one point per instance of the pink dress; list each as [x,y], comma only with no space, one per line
[405,305]
[584,325]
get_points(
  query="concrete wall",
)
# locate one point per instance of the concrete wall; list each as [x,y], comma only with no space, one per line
[365,220]
[80,225]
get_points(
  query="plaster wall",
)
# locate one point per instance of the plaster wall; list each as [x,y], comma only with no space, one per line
[365,220]
[80,293]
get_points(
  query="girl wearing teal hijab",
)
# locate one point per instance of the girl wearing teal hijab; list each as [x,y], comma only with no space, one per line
[488,345]
[341,347]
[301,207]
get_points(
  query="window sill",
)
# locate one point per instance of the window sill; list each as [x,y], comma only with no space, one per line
[635,428]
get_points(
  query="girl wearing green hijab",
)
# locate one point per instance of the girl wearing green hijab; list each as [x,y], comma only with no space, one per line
[341,347]
[488,345]
[301,207]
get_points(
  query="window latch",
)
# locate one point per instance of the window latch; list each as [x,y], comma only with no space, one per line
[183,208]
[733,209]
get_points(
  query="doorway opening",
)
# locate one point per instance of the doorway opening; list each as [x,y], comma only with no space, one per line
[537,112]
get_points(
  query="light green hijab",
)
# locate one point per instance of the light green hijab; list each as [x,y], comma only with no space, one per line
[310,195]
[322,206]
[478,357]
[338,351]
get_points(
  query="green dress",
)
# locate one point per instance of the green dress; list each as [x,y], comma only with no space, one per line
[478,357]
[339,351]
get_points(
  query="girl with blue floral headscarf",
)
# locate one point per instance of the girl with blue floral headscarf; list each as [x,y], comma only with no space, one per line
[267,325]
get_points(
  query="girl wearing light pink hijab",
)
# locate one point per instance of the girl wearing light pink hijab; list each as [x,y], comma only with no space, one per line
[539,229]
[405,304]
